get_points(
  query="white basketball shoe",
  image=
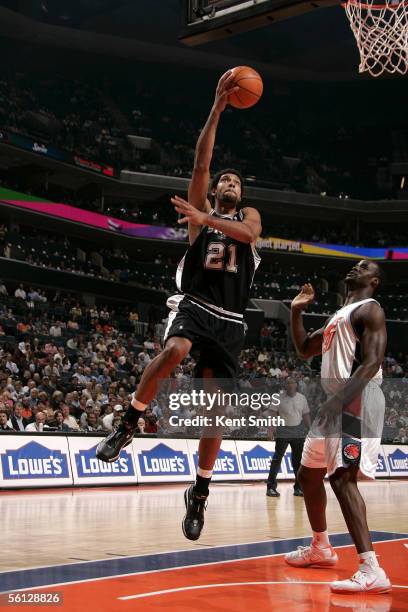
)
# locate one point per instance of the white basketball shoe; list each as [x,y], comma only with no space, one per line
[367,579]
[312,556]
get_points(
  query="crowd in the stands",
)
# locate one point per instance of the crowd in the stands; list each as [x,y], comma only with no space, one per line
[282,149]
[70,366]
[58,252]
[71,115]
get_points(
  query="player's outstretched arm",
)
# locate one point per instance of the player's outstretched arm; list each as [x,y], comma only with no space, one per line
[198,188]
[246,231]
[306,345]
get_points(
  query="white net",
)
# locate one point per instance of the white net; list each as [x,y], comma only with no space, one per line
[381,32]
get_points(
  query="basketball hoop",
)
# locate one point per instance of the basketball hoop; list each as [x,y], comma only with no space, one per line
[381,33]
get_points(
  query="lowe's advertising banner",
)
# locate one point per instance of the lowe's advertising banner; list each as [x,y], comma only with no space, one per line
[226,465]
[381,471]
[87,469]
[397,459]
[34,462]
[165,460]
[50,461]
[255,459]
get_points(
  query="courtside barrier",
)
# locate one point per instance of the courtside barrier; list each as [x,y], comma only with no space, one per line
[46,460]
[34,461]
[88,470]
[396,457]
[162,460]
[255,460]
[227,463]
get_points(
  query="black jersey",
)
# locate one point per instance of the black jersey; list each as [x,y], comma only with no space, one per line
[218,270]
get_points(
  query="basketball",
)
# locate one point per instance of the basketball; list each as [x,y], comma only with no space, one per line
[250,87]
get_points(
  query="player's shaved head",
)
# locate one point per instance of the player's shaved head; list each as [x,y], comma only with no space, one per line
[380,274]
[363,273]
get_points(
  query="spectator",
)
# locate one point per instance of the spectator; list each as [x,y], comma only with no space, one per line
[59,424]
[33,295]
[275,371]
[68,418]
[4,421]
[23,327]
[3,288]
[55,330]
[39,423]
[117,419]
[265,337]
[151,424]
[141,426]
[403,417]
[402,437]
[92,423]
[89,407]
[26,411]
[294,409]
[263,356]
[109,419]
[133,316]
[20,293]
[16,420]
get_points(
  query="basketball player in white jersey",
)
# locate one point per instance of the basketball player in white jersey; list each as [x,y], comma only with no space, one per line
[352,344]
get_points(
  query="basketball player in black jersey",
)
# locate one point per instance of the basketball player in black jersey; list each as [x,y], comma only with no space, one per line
[214,278]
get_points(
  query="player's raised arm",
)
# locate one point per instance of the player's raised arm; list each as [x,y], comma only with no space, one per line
[198,188]
[307,345]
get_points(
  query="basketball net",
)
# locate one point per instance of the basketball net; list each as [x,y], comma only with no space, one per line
[381,33]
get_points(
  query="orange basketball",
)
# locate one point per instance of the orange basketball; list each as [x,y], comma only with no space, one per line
[250,87]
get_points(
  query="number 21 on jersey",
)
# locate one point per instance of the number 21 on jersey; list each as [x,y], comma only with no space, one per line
[216,258]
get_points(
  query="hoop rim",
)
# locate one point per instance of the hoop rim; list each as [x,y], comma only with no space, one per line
[377,7]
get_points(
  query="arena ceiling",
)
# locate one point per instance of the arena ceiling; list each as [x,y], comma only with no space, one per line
[321,40]
[316,45]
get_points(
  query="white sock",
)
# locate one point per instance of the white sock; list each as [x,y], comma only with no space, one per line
[204,473]
[138,405]
[321,539]
[369,558]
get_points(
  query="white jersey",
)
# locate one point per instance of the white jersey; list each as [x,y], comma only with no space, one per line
[339,349]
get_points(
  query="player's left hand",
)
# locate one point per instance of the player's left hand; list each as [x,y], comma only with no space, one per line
[189,212]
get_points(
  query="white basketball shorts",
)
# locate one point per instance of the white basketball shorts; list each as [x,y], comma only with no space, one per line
[338,452]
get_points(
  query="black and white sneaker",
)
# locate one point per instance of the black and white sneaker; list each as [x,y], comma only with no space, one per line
[108,450]
[193,522]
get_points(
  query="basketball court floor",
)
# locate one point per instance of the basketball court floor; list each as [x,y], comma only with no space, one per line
[114,549]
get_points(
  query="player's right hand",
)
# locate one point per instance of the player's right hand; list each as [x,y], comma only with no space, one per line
[304,298]
[225,87]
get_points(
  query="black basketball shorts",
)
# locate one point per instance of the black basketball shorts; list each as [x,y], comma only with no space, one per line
[217,335]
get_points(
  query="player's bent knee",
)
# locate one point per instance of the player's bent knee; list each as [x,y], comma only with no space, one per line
[174,352]
[343,477]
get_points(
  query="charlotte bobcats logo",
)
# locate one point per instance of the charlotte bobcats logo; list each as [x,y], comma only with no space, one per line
[328,335]
[352,452]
